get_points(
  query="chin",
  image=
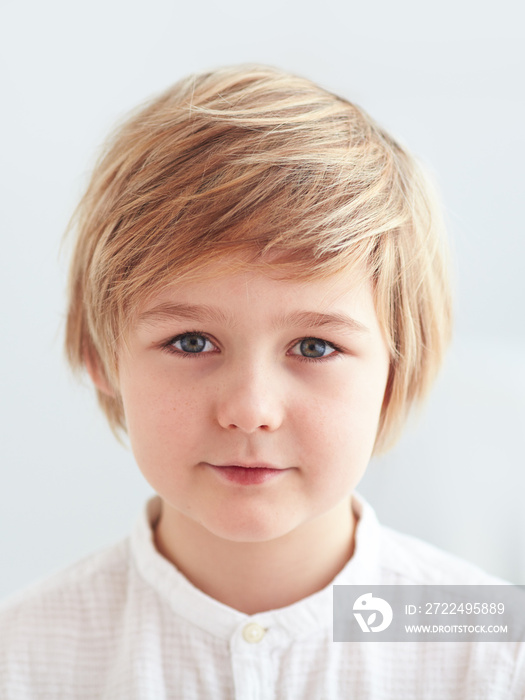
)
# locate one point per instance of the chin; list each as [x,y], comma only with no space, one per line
[248,529]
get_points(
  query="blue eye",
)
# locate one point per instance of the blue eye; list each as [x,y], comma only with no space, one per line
[193,343]
[314,348]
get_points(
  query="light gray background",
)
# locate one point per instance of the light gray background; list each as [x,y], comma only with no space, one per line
[447,79]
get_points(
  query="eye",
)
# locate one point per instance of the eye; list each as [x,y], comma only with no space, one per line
[313,348]
[191,343]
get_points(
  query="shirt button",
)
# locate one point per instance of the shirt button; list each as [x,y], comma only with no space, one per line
[253,633]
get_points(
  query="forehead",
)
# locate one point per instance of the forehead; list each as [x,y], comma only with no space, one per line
[241,276]
[259,295]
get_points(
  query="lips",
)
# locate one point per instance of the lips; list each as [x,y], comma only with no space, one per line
[248,465]
[247,474]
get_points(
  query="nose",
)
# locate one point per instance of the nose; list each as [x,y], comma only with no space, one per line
[250,400]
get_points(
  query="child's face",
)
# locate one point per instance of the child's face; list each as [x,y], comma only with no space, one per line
[248,369]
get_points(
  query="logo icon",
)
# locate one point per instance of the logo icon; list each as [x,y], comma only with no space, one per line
[366,603]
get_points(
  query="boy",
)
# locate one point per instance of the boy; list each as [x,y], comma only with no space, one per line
[259,293]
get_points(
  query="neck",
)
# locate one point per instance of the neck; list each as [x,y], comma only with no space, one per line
[254,577]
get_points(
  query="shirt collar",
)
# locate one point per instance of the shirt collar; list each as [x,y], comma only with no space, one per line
[303,617]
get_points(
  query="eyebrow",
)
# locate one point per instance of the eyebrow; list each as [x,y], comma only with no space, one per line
[192,312]
[205,313]
[316,319]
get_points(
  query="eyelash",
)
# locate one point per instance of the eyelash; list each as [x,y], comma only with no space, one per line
[168,347]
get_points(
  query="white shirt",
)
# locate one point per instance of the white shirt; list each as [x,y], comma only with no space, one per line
[125,624]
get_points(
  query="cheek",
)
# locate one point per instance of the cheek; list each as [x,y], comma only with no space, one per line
[340,421]
[161,416]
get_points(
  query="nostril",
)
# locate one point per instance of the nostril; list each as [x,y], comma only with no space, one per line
[233,426]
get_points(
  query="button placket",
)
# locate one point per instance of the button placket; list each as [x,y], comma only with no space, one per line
[253,668]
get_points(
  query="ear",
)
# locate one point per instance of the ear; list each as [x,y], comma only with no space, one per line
[97,374]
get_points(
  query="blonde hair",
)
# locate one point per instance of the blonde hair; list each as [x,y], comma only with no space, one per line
[251,159]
